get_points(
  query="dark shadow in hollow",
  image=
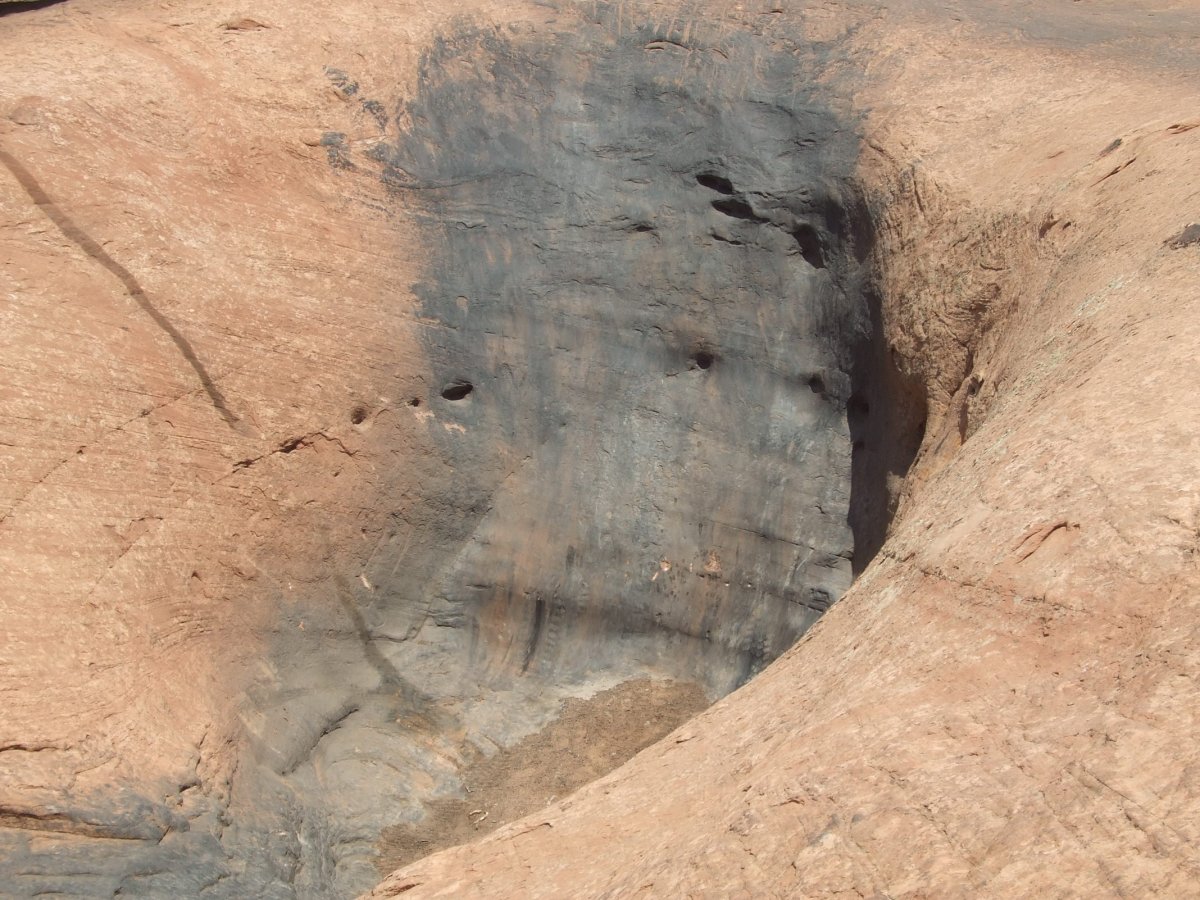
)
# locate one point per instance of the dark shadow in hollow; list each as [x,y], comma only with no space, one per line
[89,246]
[26,6]
[886,417]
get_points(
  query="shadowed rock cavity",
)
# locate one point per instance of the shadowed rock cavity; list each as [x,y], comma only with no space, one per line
[644,264]
[652,353]
[665,422]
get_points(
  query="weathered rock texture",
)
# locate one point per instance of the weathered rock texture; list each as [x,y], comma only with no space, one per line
[375,383]
[1007,701]
[363,534]
[647,288]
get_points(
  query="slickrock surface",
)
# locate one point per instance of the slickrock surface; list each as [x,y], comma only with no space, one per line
[375,390]
[1007,701]
[385,381]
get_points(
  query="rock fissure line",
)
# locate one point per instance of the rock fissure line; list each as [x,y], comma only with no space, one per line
[89,246]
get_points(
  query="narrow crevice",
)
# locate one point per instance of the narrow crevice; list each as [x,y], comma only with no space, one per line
[714,182]
[93,248]
[737,208]
[886,416]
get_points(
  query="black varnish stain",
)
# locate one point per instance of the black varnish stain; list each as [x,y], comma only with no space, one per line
[582,258]
[344,84]
[1189,237]
[89,246]
[337,150]
[535,632]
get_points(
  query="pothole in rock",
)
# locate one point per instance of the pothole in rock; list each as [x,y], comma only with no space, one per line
[586,521]
[602,522]
[588,739]
[595,522]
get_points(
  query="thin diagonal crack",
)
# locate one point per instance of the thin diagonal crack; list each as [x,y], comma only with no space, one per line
[89,246]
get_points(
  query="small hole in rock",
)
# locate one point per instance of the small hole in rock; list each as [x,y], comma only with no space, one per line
[457,391]
[715,182]
[414,402]
[737,208]
[358,415]
[816,384]
[703,359]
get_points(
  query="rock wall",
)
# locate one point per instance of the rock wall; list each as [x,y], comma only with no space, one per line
[647,338]
[1007,690]
[615,430]
[642,271]
[379,384]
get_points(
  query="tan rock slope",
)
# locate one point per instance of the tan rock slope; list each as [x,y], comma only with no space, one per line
[263,602]
[197,375]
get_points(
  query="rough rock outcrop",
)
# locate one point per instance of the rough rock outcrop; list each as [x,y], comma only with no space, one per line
[377,383]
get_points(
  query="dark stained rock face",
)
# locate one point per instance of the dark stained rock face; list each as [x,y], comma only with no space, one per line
[642,315]
[648,344]
[642,274]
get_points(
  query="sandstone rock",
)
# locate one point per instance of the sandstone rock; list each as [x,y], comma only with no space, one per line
[380,385]
[243,23]
[1007,691]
